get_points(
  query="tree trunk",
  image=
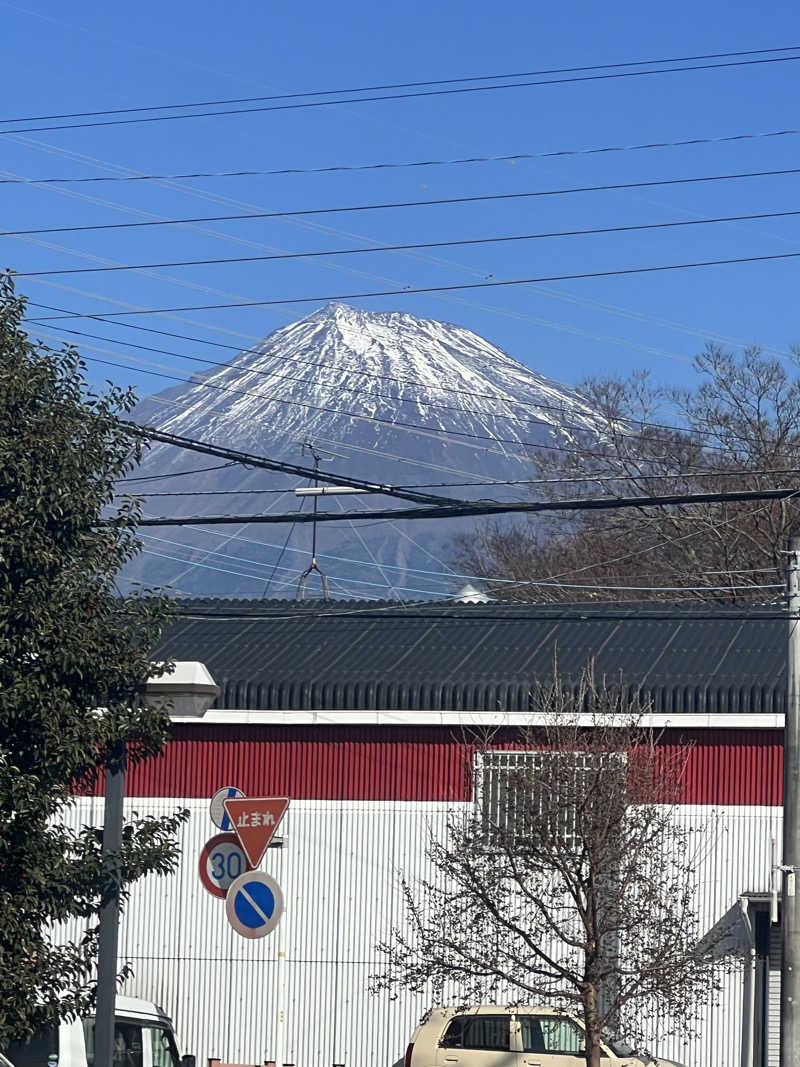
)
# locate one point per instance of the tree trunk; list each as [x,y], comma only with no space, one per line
[592,1022]
[593,1052]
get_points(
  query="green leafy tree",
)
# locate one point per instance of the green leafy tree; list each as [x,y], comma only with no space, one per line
[74,656]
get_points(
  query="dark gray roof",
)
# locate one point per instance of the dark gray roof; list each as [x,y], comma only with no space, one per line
[323,656]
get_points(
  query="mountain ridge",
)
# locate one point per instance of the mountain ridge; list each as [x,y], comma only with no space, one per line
[388,397]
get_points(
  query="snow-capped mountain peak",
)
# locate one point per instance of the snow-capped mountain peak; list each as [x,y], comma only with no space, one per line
[388,396]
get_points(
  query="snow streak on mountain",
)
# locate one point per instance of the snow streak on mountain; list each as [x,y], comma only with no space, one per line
[384,396]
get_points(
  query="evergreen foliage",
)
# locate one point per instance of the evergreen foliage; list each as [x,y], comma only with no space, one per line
[74,657]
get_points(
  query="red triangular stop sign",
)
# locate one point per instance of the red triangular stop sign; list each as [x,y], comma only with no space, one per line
[254,820]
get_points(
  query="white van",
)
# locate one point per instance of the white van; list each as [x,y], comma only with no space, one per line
[493,1036]
[143,1037]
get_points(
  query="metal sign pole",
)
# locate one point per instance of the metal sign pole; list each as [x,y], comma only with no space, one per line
[790,917]
[280,1043]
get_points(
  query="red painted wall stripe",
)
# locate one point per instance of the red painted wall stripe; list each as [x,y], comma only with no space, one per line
[385,763]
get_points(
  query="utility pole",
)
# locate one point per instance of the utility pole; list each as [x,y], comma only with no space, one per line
[790,918]
[109,909]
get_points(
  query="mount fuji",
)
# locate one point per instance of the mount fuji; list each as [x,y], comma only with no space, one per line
[384,396]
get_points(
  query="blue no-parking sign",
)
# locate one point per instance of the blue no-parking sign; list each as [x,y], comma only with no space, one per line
[254,904]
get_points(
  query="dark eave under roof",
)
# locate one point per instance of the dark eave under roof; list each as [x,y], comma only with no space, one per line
[313,655]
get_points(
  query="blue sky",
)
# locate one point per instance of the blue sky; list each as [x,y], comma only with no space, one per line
[85,56]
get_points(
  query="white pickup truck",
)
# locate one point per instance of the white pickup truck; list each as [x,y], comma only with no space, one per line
[143,1037]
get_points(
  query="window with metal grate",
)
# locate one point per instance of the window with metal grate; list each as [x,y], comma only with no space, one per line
[546,797]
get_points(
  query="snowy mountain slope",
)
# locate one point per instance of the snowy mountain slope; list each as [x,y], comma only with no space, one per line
[384,396]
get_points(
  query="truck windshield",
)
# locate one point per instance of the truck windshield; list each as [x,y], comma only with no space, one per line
[162,1045]
[130,1040]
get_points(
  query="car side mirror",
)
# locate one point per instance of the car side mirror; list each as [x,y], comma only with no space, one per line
[188,1060]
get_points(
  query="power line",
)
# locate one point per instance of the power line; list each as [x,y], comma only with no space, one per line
[387,583]
[409,290]
[216,492]
[438,430]
[663,543]
[338,388]
[537,405]
[204,194]
[260,545]
[483,198]
[544,582]
[460,299]
[177,474]
[430,431]
[446,577]
[517,157]
[437,575]
[254,350]
[459,91]
[463,242]
[408,85]
[660,588]
[207,566]
[499,483]
[151,433]
[260,577]
[351,449]
[463,510]
[282,552]
[617,559]
[572,613]
[451,298]
[396,423]
[258,564]
[544,405]
[579,570]
[393,423]
[260,246]
[603,478]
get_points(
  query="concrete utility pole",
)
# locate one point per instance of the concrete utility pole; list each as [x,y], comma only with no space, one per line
[109,910]
[790,919]
[189,691]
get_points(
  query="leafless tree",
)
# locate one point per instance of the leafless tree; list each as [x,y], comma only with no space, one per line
[570,882]
[737,429]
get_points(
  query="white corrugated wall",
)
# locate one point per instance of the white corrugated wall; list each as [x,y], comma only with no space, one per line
[338,872]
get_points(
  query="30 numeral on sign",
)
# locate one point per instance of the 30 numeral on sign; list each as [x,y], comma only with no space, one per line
[222,861]
[226,865]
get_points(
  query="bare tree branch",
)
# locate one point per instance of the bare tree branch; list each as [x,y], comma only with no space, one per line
[569,878]
[740,422]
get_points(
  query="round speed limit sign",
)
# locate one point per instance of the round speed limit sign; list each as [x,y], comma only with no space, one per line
[221,862]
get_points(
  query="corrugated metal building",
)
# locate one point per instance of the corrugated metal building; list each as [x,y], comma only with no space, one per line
[360,713]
